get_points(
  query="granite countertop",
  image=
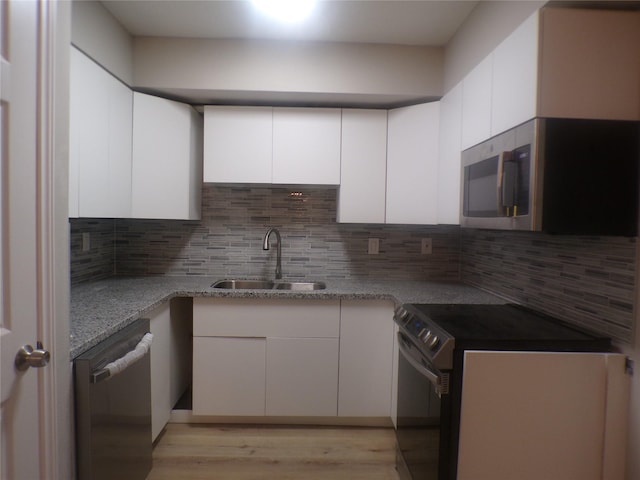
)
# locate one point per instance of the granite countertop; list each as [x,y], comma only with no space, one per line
[101,308]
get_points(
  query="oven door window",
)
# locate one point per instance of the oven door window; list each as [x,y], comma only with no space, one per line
[481,188]
[419,423]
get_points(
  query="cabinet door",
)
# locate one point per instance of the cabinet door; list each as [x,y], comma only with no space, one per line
[589,64]
[306,146]
[161,406]
[412,164]
[238,144]
[99,141]
[229,376]
[476,104]
[449,167]
[167,159]
[515,77]
[366,358]
[521,418]
[302,376]
[362,193]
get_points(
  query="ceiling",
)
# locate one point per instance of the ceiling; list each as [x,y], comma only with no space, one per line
[413,22]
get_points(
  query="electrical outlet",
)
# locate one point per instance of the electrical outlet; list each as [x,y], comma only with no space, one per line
[374,246]
[86,242]
[426,246]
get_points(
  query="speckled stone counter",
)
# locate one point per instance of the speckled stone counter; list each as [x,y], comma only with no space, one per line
[101,308]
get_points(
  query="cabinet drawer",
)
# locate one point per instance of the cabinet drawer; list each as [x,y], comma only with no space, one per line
[242,317]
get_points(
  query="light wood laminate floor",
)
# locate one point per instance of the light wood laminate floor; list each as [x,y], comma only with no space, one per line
[199,451]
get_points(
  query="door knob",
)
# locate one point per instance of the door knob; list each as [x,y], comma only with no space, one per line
[28,357]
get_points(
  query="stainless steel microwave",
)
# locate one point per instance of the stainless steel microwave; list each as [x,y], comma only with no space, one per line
[564,176]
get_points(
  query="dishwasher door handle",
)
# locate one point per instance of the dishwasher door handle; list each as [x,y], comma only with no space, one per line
[122,363]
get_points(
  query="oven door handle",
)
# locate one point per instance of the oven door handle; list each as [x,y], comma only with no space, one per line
[440,382]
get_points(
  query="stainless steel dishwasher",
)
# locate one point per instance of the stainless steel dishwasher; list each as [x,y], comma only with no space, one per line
[113,407]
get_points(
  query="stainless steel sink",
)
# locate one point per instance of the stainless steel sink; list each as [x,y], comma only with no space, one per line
[300,286]
[244,284]
[233,284]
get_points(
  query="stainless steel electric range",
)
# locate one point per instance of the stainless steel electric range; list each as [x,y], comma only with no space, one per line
[432,340]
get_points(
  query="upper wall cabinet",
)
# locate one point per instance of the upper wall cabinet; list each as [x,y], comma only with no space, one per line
[272,145]
[100,135]
[412,164]
[449,157]
[363,178]
[167,159]
[238,144]
[561,63]
[589,64]
[306,145]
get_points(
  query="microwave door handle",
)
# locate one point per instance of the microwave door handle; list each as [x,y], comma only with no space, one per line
[509,185]
[500,175]
[502,159]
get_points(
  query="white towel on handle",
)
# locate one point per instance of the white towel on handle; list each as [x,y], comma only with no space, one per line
[131,357]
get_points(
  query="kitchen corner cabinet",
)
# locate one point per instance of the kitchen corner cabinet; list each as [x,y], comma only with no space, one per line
[170,325]
[306,145]
[366,358]
[265,357]
[100,136]
[167,159]
[412,164]
[238,144]
[272,145]
[362,193]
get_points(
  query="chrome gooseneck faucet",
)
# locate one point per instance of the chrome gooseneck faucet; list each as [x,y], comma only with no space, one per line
[265,246]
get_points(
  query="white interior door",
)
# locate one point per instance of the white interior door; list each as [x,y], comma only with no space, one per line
[25,446]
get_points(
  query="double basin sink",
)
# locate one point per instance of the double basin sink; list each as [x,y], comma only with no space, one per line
[233,284]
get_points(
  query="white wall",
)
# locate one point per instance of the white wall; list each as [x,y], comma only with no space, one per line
[98,34]
[267,71]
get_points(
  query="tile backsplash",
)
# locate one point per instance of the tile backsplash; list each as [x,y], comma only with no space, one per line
[227,242]
[588,281]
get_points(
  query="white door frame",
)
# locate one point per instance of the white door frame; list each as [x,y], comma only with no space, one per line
[47,285]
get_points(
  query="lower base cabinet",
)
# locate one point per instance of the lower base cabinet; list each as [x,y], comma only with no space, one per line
[170,356]
[292,358]
[302,377]
[265,357]
[229,376]
[366,358]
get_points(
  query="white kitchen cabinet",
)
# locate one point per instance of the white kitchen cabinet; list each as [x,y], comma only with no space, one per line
[306,145]
[515,77]
[302,377]
[167,159]
[229,376]
[170,355]
[366,358]
[588,64]
[533,415]
[449,158]
[281,353]
[559,63]
[476,103]
[412,164]
[238,144]
[100,136]
[362,193]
